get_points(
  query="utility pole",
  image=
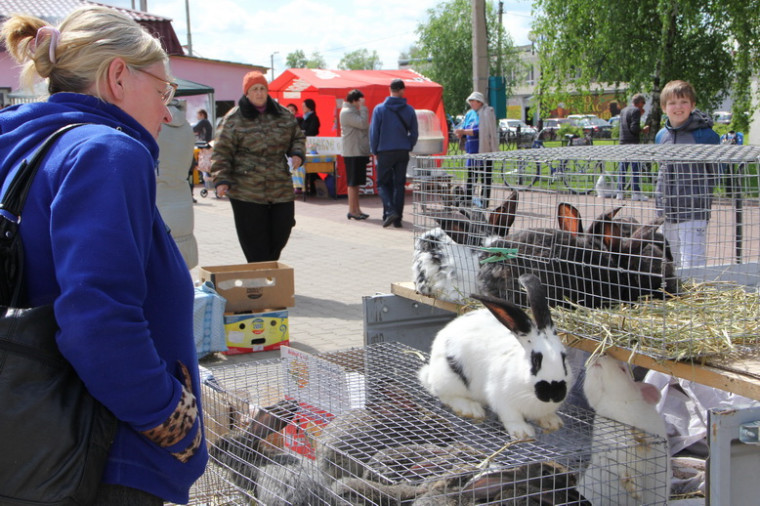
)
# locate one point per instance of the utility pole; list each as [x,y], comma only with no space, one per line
[144,5]
[480,68]
[189,35]
[271,59]
[499,64]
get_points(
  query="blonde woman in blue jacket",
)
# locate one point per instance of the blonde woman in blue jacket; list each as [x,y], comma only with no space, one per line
[96,246]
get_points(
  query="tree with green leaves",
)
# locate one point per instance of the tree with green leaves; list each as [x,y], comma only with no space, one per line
[361,59]
[443,51]
[298,60]
[640,45]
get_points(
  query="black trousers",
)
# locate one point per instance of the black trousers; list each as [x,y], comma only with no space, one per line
[263,230]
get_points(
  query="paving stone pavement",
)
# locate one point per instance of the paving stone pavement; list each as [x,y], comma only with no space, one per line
[336,262]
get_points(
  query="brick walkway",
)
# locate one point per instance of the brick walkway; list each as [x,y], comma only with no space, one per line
[336,262]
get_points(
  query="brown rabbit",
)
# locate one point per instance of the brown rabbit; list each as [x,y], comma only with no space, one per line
[597,267]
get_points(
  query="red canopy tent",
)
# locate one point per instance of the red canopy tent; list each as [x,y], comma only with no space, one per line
[328,88]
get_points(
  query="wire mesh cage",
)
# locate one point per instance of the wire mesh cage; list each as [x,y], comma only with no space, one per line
[354,427]
[652,247]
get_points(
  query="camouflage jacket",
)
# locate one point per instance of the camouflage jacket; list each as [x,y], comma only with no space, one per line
[250,152]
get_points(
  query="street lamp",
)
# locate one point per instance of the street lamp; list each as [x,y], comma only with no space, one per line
[271,59]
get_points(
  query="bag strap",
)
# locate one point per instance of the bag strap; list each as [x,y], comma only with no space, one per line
[406,125]
[14,198]
[11,250]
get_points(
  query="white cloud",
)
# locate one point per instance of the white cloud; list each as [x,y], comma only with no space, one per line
[250,32]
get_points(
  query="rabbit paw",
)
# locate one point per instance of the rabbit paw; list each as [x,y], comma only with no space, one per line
[550,423]
[465,407]
[520,430]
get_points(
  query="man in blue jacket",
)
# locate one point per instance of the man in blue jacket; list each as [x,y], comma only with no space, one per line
[393,134]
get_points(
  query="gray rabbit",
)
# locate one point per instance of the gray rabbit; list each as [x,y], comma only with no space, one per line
[275,478]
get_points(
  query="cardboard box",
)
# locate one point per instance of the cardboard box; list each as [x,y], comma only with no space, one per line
[247,333]
[253,287]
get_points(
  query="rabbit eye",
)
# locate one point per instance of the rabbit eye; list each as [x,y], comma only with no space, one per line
[536,358]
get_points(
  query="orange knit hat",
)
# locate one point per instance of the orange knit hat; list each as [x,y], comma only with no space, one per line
[253,77]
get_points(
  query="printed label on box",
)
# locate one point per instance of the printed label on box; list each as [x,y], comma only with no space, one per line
[247,333]
[323,389]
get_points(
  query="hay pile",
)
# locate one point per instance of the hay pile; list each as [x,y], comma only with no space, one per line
[708,319]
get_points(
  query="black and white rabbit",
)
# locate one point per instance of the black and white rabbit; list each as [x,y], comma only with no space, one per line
[626,468]
[500,358]
[274,477]
[597,267]
[445,266]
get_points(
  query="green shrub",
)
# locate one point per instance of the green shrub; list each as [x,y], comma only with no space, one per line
[569,129]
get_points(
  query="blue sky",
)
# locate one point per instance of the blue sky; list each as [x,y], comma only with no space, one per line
[250,31]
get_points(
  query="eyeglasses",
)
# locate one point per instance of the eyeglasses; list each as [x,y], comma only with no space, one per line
[171,88]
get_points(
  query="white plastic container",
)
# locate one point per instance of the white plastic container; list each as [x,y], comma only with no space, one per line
[430,139]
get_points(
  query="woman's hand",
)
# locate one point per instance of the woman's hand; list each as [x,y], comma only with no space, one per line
[296,160]
[222,190]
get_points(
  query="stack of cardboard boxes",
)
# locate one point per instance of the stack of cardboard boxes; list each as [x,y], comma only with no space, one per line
[258,295]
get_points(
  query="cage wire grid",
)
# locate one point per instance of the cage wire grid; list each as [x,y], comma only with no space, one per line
[383,440]
[621,276]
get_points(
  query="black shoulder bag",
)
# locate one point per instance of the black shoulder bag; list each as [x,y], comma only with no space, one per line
[54,436]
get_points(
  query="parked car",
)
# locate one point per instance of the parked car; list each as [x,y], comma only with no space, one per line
[613,121]
[722,117]
[509,128]
[576,118]
[551,125]
[596,127]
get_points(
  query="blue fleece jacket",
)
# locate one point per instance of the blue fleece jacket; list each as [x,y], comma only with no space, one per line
[96,246]
[387,131]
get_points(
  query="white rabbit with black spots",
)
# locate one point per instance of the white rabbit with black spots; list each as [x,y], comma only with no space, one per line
[498,357]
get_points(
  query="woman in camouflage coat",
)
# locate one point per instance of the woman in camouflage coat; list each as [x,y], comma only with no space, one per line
[250,166]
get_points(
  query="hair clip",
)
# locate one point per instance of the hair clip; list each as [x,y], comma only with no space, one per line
[54,36]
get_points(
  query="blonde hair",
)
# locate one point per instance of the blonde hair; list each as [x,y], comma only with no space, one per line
[90,38]
[680,89]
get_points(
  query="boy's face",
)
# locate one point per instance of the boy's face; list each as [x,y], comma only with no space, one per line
[678,110]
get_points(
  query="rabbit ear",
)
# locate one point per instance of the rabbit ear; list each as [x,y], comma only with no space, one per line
[456,225]
[647,232]
[538,303]
[649,393]
[485,487]
[510,315]
[569,218]
[272,419]
[502,218]
[608,230]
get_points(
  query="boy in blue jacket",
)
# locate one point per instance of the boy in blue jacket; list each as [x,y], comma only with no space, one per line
[684,190]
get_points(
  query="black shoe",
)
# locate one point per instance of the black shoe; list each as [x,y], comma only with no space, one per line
[398,223]
[364,216]
[390,220]
[354,216]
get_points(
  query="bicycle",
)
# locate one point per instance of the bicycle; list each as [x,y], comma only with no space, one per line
[578,176]
[516,175]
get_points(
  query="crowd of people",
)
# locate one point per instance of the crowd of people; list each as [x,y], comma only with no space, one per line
[91,208]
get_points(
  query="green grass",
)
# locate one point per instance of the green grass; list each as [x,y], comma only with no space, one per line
[582,178]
